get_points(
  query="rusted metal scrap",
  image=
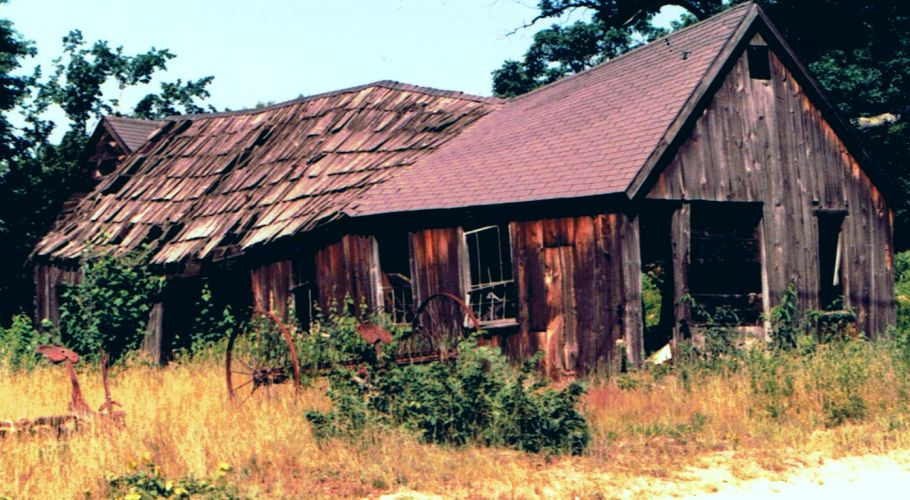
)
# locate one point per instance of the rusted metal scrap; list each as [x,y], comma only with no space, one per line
[81,413]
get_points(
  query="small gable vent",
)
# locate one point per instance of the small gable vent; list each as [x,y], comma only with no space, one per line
[759,62]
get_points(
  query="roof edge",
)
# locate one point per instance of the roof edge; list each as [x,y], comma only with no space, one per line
[388,84]
[757,21]
[817,95]
[698,99]
[628,53]
[106,124]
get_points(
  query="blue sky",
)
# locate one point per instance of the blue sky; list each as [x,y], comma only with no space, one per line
[274,50]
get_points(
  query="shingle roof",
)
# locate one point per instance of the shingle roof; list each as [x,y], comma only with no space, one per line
[240,179]
[586,135]
[206,183]
[131,133]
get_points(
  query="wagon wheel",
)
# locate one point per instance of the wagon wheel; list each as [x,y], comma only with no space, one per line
[439,325]
[260,358]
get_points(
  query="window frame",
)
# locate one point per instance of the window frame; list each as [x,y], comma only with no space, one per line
[508,305]
[378,280]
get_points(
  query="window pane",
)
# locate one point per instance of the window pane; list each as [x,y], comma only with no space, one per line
[492,292]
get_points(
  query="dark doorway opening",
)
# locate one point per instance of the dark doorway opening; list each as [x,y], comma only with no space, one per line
[304,288]
[830,257]
[724,272]
[395,274]
[657,275]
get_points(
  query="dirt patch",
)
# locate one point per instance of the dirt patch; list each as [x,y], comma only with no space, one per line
[719,475]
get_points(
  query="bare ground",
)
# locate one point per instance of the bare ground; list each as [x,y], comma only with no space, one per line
[718,476]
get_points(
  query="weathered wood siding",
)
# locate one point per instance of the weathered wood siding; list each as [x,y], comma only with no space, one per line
[346,269]
[764,141]
[49,281]
[576,297]
[271,287]
[437,256]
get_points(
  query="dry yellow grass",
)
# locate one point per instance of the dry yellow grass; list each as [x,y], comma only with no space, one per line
[646,440]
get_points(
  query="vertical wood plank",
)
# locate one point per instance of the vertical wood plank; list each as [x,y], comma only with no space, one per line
[680,241]
[631,266]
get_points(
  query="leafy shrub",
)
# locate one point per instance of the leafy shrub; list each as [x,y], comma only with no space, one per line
[18,343]
[147,483]
[479,398]
[902,290]
[786,320]
[840,371]
[110,307]
[771,380]
[211,328]
[651,280]
[334,340]
[718,350]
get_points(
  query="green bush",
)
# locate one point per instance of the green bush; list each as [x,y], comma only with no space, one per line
[147,483]
[902,289]
[478,398]
[651,281]
[109,308]
[771,379]
[18,343]
[839,372]
[211,328]
[787,320]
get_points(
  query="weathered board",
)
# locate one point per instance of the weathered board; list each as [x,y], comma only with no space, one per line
[579,291]
[345,270]
[271,287]
[764,141]
[437,258]
[49,282]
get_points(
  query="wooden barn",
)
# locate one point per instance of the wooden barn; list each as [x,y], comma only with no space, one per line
[710,157]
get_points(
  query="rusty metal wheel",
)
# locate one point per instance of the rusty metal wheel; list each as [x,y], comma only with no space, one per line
[440,323]
[261,357]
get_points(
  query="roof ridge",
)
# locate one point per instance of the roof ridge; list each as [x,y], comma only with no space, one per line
[130,119]
[634,51]
[389,84]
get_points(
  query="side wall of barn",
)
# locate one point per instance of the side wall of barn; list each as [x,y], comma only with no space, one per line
[575,280]
[49,281]
[762,140]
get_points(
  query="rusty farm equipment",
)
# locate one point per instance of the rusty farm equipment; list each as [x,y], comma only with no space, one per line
[262,358]
[266,355]
[80,413]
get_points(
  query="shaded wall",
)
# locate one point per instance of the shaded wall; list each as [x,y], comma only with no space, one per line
[579,291]
[763,141]
[49,282]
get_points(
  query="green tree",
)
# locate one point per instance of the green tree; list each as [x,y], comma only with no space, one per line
[38,174]
[108,310]
[614,27]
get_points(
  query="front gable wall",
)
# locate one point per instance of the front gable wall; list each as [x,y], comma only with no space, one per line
[764,141]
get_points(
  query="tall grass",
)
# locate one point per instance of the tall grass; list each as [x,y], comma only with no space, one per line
[773,408]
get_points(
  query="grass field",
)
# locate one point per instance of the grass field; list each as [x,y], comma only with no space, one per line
[648,432]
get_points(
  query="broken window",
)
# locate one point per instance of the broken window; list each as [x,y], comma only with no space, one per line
[830,257]
[397,294]
[724,272]
[491,293]
[759,62]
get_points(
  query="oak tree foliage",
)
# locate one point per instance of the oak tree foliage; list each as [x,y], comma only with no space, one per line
[37,171]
